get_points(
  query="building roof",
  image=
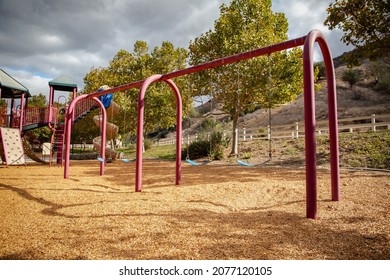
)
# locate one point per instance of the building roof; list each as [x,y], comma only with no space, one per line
[11,88]
[63,83]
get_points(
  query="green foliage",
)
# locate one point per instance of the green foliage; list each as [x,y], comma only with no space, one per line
[85,130]
[365,24]
[352,76]
[266,81]
[126,67]
[197,149]
[212,141]
[42,134]
[370,149]
[320,69]
[37,101]
[381,73]
[148,144]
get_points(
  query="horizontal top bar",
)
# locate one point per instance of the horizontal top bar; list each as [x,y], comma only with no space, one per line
[212,64]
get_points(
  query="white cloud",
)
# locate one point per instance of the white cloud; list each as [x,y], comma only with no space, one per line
[41,40]
[299,8]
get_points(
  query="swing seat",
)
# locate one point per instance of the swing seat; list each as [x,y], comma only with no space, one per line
[195,163]
[127,160]
[103,160]
[244,163]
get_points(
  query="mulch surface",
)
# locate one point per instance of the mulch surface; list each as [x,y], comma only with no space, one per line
[218,212]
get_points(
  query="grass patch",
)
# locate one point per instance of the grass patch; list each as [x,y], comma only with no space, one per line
[159,152]
[155,152]
[368,149]
[359,149]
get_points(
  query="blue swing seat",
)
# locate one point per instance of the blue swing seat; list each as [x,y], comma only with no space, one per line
[195,163]
[244,163]
[127,160]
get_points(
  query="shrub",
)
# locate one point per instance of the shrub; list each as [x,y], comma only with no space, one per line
[212,141]
[148,144]
[197,149]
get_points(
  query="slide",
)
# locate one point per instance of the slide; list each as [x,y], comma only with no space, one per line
[111,129]
[29,152]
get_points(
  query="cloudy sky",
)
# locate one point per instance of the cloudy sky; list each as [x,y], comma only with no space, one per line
[43,39]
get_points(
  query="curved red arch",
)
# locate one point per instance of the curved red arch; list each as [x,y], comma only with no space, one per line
[140,128]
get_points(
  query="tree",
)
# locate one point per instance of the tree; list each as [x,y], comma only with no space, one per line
[37,101]
[85,130]
[128,67]
[352,76]
[266,81]
[366,24]
[381,73]
[319,67]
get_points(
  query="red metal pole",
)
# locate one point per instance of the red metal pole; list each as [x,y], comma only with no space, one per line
[179,117]
[68,132]
[212,64]
[21,114]
[310,121]
[310,127]
[332,115]
[140,128]
[50,109]
[102,135]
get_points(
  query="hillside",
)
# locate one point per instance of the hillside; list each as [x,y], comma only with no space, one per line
[370,102]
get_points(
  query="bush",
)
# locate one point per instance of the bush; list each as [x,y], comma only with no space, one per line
[148,144]
[197,149]
[211,142]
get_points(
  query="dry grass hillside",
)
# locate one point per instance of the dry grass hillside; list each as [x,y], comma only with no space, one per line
[370,102]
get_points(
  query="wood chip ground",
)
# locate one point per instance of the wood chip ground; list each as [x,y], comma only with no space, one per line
[219,212]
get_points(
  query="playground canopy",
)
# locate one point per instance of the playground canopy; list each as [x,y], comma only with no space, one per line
[11,88]
[63,83]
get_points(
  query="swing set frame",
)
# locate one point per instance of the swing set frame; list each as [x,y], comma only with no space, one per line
[308,42]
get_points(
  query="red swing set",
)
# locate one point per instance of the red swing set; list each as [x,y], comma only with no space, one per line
[308,43]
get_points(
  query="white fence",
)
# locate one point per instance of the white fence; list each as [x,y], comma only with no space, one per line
[297,130]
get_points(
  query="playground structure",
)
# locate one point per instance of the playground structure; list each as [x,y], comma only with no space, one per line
[112,109]
[22,118]
[307,42]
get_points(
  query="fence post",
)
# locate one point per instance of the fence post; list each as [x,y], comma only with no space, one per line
[244,132]
[373,122]
[268,132]
[297,130]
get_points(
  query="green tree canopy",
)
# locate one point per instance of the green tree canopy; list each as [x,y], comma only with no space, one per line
[128,67]
[366,26]
[37,101]
[266,81]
